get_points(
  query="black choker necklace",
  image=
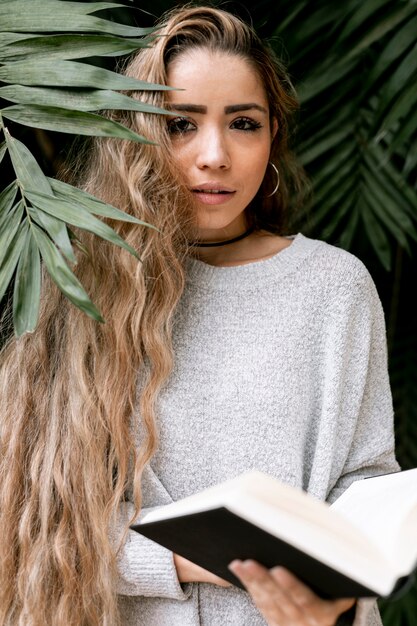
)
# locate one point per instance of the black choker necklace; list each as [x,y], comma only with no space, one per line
[212,244]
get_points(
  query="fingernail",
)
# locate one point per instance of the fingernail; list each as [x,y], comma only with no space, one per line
[236,563]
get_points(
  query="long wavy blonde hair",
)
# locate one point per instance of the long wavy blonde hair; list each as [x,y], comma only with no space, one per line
[68,391]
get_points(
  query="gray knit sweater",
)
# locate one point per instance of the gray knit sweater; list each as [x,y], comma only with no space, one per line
[280,365]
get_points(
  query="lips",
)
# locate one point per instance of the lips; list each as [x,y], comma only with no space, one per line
[211,187]
[212,193]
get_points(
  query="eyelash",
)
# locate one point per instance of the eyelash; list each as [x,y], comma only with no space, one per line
[174,126]
[253,125]
[175,129]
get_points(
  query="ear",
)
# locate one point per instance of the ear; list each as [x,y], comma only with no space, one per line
[274,128]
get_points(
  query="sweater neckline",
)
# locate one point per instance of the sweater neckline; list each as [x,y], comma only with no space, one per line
[253,273]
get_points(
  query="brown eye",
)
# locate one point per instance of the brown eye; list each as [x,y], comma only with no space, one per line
[179,126]
[246,124]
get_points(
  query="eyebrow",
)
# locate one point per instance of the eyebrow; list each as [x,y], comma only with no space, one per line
[199,108]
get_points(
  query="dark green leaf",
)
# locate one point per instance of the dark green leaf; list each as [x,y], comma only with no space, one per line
[51,5]
[345,154]
[341,118]
[8,265]
[61,274]
[55,16]
[68,121]
[407,129]
[9,230]
[291,16]
[60,73]
[7,198]
[346,237]
[364,11]
[91,203]
[31,176]
[398,81]
[75,215]
[3,149]
[391,54]
[380,29]
[391,201]
[320,81]
[323,146]
[79,244]
[410,161]
[11,38]
[406,193]
[342,179]
[26,167]
[80,100]
[377,237]
[69,46]
[88,7]
[322,17]
[335,220]
[374,203]
[330,202]
[27,288]
[56,229]
[400,108]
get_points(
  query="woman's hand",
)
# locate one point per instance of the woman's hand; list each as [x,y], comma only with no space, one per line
[285,601]
[189,572]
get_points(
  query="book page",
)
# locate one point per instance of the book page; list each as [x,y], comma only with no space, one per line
[328,537]
[385,509]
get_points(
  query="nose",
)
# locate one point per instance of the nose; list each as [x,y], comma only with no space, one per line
[213,152]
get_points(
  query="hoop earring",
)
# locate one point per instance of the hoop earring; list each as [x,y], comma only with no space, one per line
[278,180]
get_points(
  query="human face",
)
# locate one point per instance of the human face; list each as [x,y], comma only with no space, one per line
[221,136]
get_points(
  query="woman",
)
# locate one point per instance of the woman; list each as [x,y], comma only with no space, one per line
[233,345]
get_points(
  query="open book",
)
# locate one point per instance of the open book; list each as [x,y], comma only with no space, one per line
[365,544]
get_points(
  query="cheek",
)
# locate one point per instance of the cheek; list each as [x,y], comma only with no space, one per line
[182,158]
[255,164]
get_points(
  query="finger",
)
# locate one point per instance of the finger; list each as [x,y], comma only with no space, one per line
[309,602]
[299,592]
[267,594]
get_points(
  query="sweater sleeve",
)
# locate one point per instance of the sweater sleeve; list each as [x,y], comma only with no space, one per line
[144,567]
[365,427]
[372,448]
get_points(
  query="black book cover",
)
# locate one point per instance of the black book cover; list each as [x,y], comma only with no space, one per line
[213,538]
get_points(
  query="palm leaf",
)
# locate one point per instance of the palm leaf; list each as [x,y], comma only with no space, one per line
[73,46]
[49,16]
[3,149]
[10,258]
[62,73]
[61,274]
[27,287]
[25,165]
[69,121]
[7,200]
[91,203]
[56,229]
[51,90]
[76,215]
[8,234]
[85,100]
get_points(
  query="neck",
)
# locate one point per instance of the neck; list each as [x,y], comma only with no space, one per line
[223,242]
[259,245]
[217,247]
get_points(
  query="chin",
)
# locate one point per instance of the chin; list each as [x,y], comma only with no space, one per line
[221,224]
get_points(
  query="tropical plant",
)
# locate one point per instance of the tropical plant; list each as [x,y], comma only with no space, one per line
[43,67]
